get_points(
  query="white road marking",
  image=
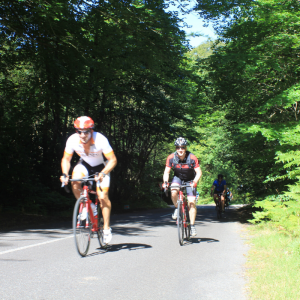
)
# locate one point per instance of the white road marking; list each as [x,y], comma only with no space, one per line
[35,245]
[169,214]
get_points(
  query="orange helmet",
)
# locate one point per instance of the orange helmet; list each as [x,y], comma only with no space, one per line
[84,123]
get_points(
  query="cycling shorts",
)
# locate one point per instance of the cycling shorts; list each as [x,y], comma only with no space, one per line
[83,169]
[191,192]
[218,193]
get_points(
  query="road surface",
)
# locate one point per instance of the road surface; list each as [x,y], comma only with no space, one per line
[145,260]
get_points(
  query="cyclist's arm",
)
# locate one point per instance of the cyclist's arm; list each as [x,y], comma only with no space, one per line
[112,162]
[166,174]
[66,163]
[198,174]
[225,189]
[212,189]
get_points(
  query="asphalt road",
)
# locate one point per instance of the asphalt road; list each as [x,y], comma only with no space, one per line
[145,260]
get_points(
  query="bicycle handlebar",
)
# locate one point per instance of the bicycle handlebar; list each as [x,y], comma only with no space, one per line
[80,179]
[177,186]
[83,179]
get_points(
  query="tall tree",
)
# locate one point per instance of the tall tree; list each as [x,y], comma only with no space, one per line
[120,62]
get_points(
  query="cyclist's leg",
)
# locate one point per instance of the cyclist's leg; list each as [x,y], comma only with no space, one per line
[215,197]
[79,171]
[105,203]
[193,209]
[223,202]
[192,204]
[176,182]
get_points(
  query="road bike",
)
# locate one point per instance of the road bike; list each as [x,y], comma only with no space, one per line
[183,214]
[86,221]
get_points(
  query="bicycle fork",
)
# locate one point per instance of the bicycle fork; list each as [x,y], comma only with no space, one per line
[82,205]
[182,204]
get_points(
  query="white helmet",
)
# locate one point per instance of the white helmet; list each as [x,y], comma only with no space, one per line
[180,142]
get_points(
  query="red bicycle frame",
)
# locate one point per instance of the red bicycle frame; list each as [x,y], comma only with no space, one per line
[184,204]
[94,219]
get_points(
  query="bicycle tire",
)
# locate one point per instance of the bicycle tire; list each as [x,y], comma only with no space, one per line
[180,226]
[82,235]
[188,224]
[219,211]
[100,230]
[227,204]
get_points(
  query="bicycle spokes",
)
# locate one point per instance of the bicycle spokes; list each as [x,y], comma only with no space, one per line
[81,226]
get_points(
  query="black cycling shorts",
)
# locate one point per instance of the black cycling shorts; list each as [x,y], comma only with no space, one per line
[191,192]
[91,170]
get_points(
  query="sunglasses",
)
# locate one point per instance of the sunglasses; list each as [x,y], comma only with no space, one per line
[180,148]
[83,131]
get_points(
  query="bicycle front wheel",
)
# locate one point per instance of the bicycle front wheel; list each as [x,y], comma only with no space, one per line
[187,228]
[219,211]
[180,227]
[82,227]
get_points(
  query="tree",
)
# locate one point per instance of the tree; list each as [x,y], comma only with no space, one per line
[255,76]
[120,62]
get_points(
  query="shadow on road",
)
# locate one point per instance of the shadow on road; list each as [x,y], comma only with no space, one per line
[239,214]
[130,247]
[139,222]
[199,240]
[118,247]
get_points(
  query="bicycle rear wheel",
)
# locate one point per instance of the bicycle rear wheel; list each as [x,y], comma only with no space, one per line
[82,234]
[180,226]
[188,224]
[100,230]
[227,203]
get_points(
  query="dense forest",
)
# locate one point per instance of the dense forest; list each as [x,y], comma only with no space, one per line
[128,65]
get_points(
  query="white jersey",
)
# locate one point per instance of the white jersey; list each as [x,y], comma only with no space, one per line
[98,146]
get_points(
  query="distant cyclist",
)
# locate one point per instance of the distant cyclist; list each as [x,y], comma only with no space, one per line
[219,188]
[186,169]
[228,197]
[90,146]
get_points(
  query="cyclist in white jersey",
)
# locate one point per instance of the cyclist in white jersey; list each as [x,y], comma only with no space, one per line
[92,147]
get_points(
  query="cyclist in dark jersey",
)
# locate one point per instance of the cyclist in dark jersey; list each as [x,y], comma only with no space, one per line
[186,169]
[219,188]
[228,197]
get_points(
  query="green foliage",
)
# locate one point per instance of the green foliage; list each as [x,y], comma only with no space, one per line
[120,62]
[204,50]
[253,79]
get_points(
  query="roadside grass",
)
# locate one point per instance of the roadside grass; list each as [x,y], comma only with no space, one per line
[273,264]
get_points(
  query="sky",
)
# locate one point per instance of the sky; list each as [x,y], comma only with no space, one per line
[194,20]
[197,27]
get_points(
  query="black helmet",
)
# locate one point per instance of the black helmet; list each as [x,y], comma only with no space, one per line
[220,176]
[180,142]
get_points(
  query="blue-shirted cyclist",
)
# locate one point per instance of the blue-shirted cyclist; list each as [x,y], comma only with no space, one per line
[219,188]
